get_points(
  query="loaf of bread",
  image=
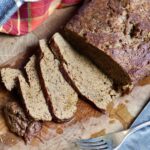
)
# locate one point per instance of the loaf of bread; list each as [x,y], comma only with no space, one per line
[115,34]
[82,74]
[9,76]
[32,93]
[60,96]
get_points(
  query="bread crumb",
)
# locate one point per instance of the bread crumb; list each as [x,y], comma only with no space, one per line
[97,134]
[59,130]
[111,121]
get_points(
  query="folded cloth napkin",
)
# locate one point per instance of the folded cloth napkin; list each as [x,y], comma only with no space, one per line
[7,8]
[139,140]
[29,14]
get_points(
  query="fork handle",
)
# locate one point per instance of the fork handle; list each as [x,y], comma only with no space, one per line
[132,131]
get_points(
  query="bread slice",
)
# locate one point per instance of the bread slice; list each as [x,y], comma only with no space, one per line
[32,94]
[85,77]
[9,76]
[61,97]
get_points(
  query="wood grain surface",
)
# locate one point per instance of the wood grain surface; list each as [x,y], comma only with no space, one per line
[88,122]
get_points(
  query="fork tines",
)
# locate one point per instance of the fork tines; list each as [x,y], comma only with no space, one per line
[93,144]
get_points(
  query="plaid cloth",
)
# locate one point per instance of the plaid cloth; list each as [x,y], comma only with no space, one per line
[18,17]
[7,8]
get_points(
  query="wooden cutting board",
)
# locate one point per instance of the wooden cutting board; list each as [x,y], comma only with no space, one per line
[88,122]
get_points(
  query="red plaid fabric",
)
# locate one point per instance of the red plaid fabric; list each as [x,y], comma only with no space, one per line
[65,3]
[31,15]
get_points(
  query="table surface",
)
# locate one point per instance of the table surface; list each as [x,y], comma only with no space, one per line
[88,122]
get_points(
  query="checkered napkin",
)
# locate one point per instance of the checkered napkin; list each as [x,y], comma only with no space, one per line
[19,17]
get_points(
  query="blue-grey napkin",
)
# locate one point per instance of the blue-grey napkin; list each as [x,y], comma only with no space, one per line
[8,8]
[139,140]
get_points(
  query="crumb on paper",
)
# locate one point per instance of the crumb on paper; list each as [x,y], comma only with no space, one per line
[1,139]
[97,134]
[111,121]
[145,81]
[59,130]
[126,101]
[109,108]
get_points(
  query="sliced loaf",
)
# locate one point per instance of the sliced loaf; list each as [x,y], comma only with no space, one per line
[9,76]
[60,95]
[84,76]
[32,94]
[115,34]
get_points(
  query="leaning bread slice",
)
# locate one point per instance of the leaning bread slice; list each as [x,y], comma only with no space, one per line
[84,76]
[9,76]
[60,95]
[32,94]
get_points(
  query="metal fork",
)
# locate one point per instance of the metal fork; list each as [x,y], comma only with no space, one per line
[109,141]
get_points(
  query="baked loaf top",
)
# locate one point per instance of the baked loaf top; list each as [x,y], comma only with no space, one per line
[9,76]
[61,97]
[84,76]
[32,93]
[119,28]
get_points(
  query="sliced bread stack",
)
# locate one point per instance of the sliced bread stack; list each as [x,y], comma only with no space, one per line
[83,75]
[45,92]
[53,79]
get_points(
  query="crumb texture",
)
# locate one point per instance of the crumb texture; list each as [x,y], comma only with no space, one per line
[32,93]
[87,78]
[61,95]
[9,76]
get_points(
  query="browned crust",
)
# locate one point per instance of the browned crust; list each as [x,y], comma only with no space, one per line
[114,33]
[55,50]
[99,58]
[46,95]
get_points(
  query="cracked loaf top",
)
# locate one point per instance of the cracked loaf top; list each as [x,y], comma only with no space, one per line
[119,28]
